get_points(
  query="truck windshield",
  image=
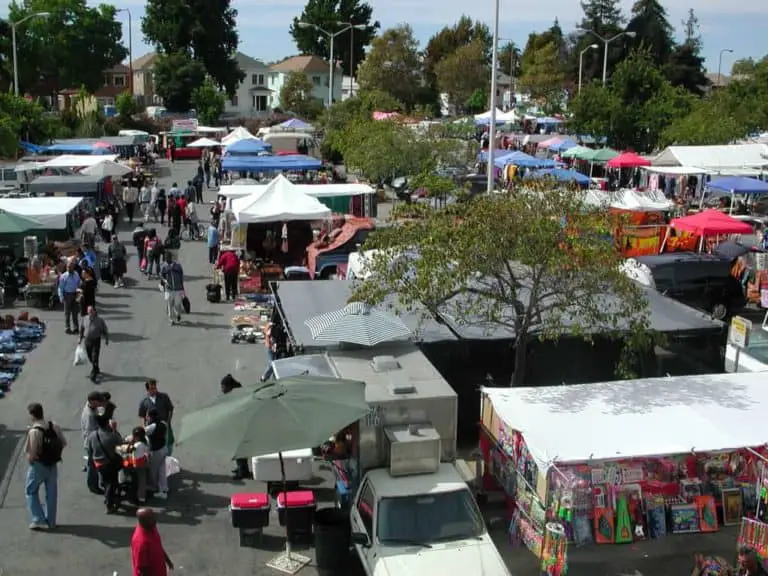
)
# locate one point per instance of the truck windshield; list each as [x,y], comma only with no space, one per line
[421,519]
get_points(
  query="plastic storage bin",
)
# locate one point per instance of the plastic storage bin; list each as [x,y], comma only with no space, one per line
[296,511]
[250,515]
[332,533]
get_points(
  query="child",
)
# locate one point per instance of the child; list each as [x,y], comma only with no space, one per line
[137,463]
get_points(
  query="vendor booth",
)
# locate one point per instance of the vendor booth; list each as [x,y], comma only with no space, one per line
[619,462]
[256,164]
[247,147]
[702,230]
[55,214]
[94,187]
[75,161]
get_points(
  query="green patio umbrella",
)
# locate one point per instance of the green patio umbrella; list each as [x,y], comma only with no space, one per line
[575,152]
[11,223]
[600,155]
[289,414]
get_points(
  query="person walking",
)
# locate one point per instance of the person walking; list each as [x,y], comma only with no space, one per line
[153,248]
[91,332]
[88,230]
[229,264]
[45,444]
[107,227]
[87,291]
[148,556]
[172,276]
[68,286]
[175,212]
[157,438]
[139,235]
[130,198]
[207,170]
[162,204]
[102,446]
[213,243]
[145,199]
[117,257]
[89,423]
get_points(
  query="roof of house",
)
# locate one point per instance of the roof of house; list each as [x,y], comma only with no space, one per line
[301,64]
[245,61]
[144,62]
[118,69]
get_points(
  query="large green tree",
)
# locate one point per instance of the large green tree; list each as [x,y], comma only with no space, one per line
[543,75]
[177,76]
[602,19]
[296,96]
[451,38]
[393,65]
[209,102]
[70,48]
[685,66]
[463,74]
[204,30]
[332,16]
[508,262]
[653,31]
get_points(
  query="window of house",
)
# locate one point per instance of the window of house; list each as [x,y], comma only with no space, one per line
[107,80]
[119,81]
[261,104]
[233,101]
[316,80]
[257,79]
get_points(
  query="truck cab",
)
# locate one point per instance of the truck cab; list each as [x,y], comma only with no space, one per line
[421,524]
[327,254]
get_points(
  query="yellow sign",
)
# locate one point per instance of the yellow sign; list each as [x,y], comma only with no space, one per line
[738,335]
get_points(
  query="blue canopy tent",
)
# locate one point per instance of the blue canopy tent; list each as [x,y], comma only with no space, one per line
[522,159]
[498,153]
[562,146]
[562,175]
[269,163]
[30,148]
[295,124]
[739,185]
[81,149]
[548,120]
[247,147]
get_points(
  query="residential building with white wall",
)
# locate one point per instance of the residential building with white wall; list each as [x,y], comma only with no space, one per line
[144,80]
[316,69]
[252,98]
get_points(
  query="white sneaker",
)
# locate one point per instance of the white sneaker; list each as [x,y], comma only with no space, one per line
[162,495]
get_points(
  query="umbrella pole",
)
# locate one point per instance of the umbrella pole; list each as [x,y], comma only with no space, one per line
[287,562]
[287,509]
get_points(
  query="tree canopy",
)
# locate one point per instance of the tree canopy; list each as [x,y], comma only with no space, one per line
[177,76]
[543,75]
[296,96]
[462,74]
[332,16]
[204,31]
[530,263]
[208,102]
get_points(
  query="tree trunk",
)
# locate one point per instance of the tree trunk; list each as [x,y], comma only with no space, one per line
[521,362]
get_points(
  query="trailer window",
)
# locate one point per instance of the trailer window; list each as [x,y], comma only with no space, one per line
[426,518]
[365,509]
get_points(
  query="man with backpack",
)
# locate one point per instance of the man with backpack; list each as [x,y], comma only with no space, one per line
[44,446]
[172,275]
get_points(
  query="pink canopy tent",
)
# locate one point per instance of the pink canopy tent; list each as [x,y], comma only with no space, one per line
[711,222]
[628,160]
[549,142]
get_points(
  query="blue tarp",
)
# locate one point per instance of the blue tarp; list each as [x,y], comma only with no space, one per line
[269,163]
[248,146]
[562,146]
[562,175]
[740,185]
[296,124]
[522,159]
[30,148]
[548,120]
[498,153]
[78,149]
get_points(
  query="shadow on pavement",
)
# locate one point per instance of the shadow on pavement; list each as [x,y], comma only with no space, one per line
[112,536]
[113,306]
[9,442]
[123,337]
[188,504]
[107,377]
[204,478]
[206,325]
[101,295]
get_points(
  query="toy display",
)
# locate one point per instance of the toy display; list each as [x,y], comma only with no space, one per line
[553,555]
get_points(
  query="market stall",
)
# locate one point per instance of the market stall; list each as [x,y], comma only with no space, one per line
[57,215]
[256,164]
[708,226]
[353,198]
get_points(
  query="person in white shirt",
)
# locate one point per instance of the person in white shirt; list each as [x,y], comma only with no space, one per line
[191,217]
[107,225]
[152,208]
[137,462]
[88,230]
[130,197]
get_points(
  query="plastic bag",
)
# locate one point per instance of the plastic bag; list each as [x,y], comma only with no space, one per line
[80,355]
[172,466]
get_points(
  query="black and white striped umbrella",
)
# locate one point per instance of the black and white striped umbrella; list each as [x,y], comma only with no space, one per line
[357,323]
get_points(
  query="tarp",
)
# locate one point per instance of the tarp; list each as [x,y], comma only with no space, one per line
[545,144]
[203,143]
[317,190]
[280,201]
[75,161]
[522,159]
[50,212]
[78,149]
[247,147]
[711,222]
[563,145]
[562,175]
[295,124]
[678,415]
[628,160]
[599,155]
[348,230]
[574,152]
[717,158]
[497,153]
[740,185]
[267,163]
[236,135]
[106,168]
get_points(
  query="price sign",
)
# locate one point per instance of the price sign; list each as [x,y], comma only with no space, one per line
[738,335]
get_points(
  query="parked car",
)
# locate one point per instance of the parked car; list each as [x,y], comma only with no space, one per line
[702,281]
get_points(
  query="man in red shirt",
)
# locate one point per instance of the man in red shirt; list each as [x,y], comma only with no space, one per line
[229,264]
[148,556]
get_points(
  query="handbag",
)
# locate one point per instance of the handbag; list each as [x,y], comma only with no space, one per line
[185,304]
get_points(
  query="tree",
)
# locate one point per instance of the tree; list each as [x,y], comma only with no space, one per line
[69,48]
[176,78]
[296,96]
[393,65]
[208,101]
[653,31]
[685,69]
[743,66]
[125,105]
[602,18]
[543,75]
[592,111]
[451,38]
[462,74]
[509,59]
[348,47]
[509,262]
[477,102]
[21,119]
[205,31]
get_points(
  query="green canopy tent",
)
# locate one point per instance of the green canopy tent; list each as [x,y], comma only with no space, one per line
[575,152]
[13,224]
[599,156]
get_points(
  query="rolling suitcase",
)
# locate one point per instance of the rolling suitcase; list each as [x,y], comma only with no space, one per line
[105,271]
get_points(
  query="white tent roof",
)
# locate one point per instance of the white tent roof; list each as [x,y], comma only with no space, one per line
[236,135]
[510,116]
[78,161]
[635,418]
[50,211]
[107,168]
[279,201]
[317,190]
[714,157]
[486,115]
[203,143]
[676,170]
[648,201]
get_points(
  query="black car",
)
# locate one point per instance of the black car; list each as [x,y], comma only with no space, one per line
[702,281]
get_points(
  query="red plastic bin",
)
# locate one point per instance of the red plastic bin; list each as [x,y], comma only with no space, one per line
[297,510]
[250,510]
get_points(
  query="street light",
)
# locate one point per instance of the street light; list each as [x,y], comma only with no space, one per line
[492,128]
[606,41]
[331,36]
[130,47]
[720,62]
[13,44]
[581,60]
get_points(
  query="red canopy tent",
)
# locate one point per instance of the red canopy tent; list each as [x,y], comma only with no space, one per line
[711,222]
[628,160]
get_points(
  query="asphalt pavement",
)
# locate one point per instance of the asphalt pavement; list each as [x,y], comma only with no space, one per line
[189,361]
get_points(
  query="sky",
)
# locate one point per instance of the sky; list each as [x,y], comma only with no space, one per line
[737,25]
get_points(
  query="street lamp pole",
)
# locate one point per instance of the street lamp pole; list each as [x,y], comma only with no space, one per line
[492,128]
[720,62]
[581,61]
[13,46]
[130,47]
[331,36]
[606,42]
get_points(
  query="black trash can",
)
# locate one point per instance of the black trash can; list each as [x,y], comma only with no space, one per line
[332,541]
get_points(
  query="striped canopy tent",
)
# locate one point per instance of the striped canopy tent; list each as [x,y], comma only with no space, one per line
[357,323]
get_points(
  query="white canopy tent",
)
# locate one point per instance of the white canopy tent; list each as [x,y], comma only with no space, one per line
[78,161]
[487,115]
[316,190]
[204,143]
[236,135]
[678,415]
[714,158]
[280,201]
[625,199]
[50,211]
[510,117]
[107,168]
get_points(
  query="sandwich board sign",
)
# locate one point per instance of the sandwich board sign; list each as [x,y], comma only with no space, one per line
[738,337]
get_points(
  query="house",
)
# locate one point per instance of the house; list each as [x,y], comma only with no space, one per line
[349,87]
[252,98]
[144,80]
[316,69]
[115,83]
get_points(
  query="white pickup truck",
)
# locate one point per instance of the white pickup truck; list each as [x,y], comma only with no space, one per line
[421,525]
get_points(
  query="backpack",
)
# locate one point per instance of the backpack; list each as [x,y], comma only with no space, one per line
[51,446]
